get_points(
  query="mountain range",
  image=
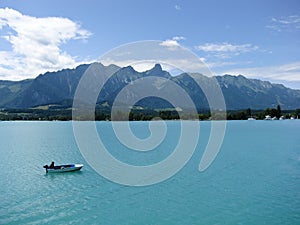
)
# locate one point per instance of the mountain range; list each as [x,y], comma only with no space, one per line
[58,88]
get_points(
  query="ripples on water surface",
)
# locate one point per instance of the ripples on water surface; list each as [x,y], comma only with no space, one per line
[254,180]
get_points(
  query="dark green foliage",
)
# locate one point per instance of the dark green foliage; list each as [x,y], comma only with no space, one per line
[137,114]
[278,113]
[237,115]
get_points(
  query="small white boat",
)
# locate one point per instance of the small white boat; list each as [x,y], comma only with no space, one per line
[62,168]
[268,117]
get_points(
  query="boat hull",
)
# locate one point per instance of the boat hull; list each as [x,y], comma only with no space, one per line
[64,168]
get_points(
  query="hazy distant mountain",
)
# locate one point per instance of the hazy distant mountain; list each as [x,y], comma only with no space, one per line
[241,92]
[59,88]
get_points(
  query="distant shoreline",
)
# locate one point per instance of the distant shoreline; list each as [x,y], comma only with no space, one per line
[146,115]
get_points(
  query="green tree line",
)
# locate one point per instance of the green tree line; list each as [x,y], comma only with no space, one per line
[139,115]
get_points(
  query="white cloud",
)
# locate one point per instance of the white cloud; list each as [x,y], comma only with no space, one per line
[172,44]
[225,50]
[226,47]
[178,38]
[285,23]
[36,44]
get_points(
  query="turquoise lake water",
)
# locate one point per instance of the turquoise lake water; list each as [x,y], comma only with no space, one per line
[255,178]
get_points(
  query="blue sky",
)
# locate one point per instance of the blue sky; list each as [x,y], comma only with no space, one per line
[259,39]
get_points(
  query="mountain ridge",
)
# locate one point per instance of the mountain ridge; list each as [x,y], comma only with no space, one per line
[57,87]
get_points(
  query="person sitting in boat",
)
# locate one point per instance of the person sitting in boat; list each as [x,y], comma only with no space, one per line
[51,165]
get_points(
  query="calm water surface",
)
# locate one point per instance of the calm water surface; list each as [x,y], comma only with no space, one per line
[255,178]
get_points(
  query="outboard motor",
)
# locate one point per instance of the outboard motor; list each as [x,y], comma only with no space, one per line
[46,167]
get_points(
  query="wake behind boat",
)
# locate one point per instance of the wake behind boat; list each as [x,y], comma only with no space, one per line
[62,168]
